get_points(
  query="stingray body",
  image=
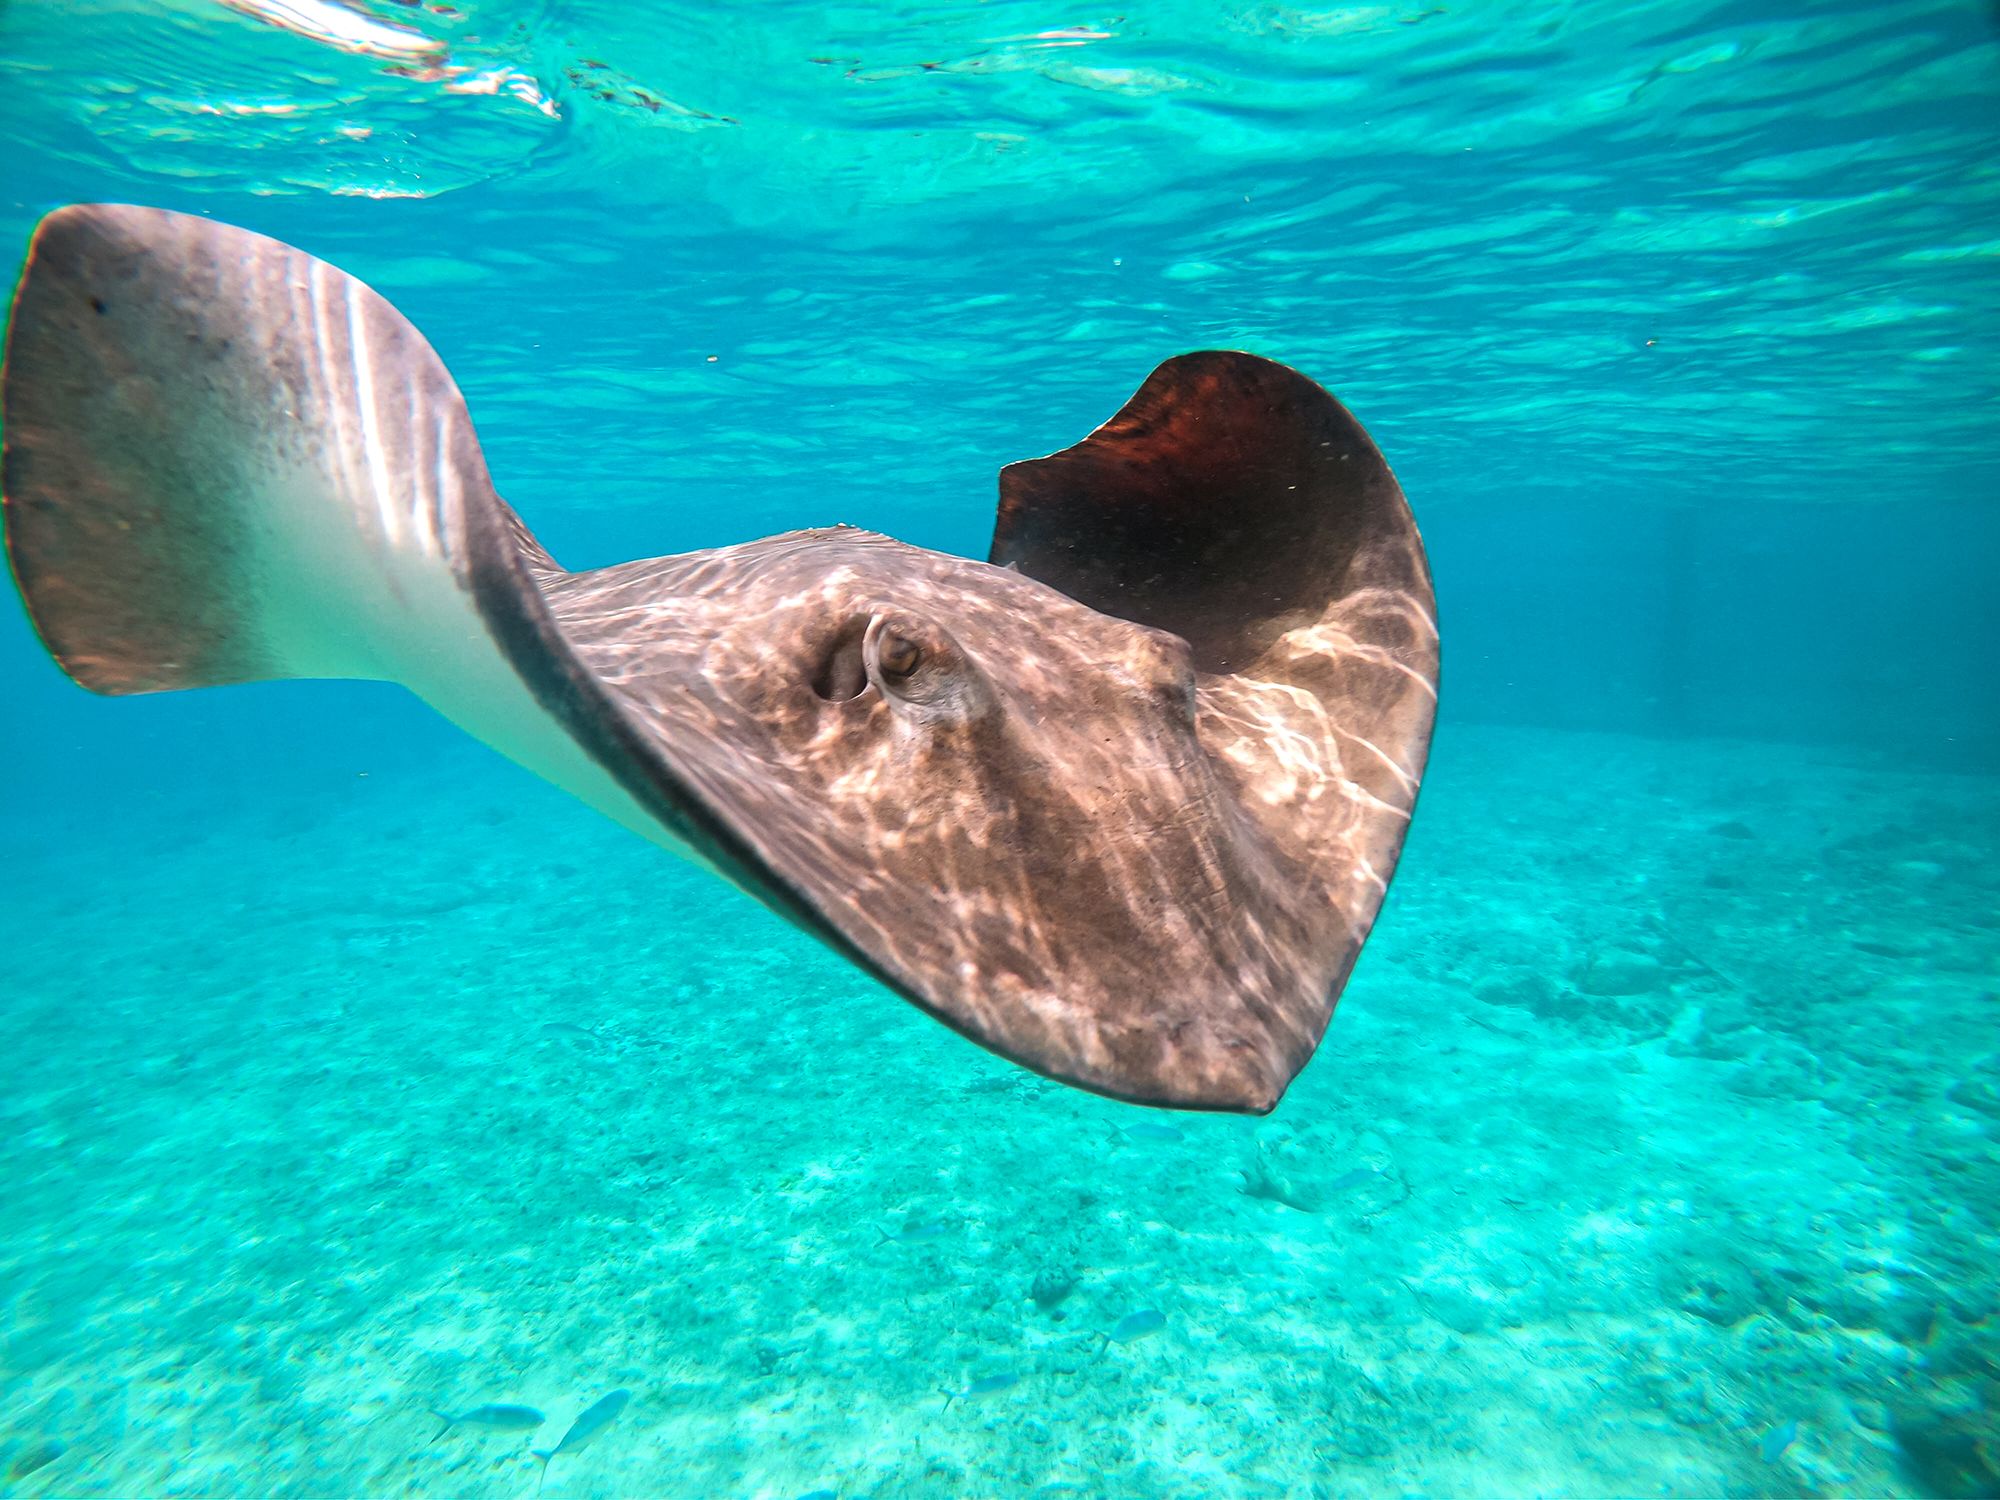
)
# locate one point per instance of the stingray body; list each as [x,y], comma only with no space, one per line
[1120,803]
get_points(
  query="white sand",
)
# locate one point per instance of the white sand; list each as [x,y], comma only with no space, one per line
[292,1158]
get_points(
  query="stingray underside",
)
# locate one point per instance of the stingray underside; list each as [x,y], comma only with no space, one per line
[1120,803]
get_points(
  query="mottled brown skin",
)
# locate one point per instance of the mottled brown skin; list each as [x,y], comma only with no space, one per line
[1123,810]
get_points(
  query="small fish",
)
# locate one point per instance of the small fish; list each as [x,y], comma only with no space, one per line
[912,1234]
[36,1456]
[1773,1444]
[503,1416]
[985,1385]
[819,1495]
[569,1031]
[1352,1178]
[1150,1130]
[1135,1326]
[594,1418]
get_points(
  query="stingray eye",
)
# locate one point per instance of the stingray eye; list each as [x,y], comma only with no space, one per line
[899,655]
[920,670]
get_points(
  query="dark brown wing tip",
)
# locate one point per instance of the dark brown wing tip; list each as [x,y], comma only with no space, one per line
[1255,1093]
[1223,502]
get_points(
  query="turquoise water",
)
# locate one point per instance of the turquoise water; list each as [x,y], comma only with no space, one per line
[352,1073]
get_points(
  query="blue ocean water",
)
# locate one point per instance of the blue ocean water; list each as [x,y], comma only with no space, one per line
[354,1074]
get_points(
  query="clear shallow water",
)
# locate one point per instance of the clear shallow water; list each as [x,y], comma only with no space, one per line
[1678,324]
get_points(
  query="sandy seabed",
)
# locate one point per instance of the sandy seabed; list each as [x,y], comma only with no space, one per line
[1652,1151]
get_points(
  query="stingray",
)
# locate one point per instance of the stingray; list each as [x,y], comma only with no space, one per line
[1120,803]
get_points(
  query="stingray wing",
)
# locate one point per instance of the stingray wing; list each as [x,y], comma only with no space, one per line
[1237,504]
[227,461]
